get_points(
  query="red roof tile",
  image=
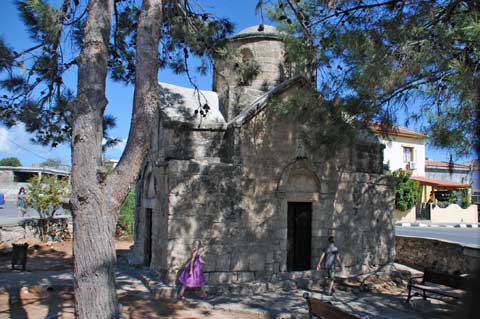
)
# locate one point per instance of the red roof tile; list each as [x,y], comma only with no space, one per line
[439,183]
[398,131]
[444,164]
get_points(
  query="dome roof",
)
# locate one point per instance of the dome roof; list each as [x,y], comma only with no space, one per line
[267,29]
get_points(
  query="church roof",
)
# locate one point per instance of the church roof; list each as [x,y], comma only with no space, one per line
[261,102]
[181,104]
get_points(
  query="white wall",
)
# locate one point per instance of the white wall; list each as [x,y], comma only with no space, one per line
[454,214]
[393,153]
[409,216]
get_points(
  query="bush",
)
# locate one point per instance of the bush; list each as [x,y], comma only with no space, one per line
[126,219]
[10,161]
[466,199]
[407,191]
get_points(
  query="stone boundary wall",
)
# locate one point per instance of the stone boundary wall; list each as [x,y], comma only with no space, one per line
[28,230]
[437,255]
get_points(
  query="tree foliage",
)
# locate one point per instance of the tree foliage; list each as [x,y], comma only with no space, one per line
[126,218]
[51,162]
[407,191]
[33,84]
[380,59]
[116,38]
[45,194]
[33,79]
[10,161]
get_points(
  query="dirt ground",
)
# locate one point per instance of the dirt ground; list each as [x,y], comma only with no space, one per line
[48,302]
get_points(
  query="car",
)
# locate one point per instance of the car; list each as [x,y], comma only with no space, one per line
[2,199]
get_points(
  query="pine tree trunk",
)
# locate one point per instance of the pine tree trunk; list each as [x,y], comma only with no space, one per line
[96,198]
[93,245]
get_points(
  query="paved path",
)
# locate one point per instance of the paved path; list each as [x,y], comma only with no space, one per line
[465,236]
[279,304]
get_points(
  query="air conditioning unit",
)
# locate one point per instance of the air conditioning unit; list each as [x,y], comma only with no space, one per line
[412,165]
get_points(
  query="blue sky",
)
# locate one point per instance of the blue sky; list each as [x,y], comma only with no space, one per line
[16,142]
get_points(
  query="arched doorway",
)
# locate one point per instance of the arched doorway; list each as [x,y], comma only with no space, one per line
[298,190]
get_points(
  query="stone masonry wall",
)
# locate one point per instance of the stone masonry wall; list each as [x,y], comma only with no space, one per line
[269,53]
[355,207]
[28,230]
[437,255]
[238,209]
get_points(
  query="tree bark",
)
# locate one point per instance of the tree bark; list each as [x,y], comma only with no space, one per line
[93,244]
[96,198]
[144,104]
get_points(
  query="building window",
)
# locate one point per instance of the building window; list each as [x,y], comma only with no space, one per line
[407,154]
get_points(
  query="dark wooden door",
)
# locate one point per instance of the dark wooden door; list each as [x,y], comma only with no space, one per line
[148,237]
[299,236]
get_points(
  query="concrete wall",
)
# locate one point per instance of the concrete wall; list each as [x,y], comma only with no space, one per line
[393,153]
[454,214]
[408,216]
[437,255]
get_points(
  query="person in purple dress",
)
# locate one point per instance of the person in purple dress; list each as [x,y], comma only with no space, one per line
[192,276]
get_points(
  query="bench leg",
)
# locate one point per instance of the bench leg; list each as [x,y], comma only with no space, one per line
[409,293]
[424,295]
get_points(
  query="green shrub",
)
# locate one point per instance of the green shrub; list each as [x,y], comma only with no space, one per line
[407,191]
[466,199]
[126,218]
[10,161]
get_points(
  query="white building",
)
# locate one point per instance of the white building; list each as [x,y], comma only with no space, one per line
[404,149]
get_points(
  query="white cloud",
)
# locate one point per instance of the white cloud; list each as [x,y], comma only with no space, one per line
[16,142]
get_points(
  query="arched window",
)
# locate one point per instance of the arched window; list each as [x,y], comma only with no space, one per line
[247,68]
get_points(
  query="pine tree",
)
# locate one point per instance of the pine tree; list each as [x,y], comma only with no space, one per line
[106,37]
[378,59]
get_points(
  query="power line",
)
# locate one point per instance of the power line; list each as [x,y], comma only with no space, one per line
[32,152]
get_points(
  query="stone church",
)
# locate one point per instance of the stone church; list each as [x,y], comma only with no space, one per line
[240,180]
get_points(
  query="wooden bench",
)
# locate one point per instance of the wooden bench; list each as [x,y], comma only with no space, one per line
[437,284]
[323,310]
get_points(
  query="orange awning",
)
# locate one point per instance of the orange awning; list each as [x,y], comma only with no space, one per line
[438,183]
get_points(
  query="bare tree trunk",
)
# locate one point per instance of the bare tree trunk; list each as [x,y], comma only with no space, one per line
[93,241]
[144,104]
[96,198]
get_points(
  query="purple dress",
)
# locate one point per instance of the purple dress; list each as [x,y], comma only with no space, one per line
[196,279]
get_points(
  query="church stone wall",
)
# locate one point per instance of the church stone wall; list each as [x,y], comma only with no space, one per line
[355,207]
[183,142]
[239,209]
[230,188]
[268,52]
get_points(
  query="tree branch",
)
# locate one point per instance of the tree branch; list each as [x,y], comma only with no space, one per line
[360,7]
[144,107]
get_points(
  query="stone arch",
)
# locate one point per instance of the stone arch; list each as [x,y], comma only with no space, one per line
[298,177]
